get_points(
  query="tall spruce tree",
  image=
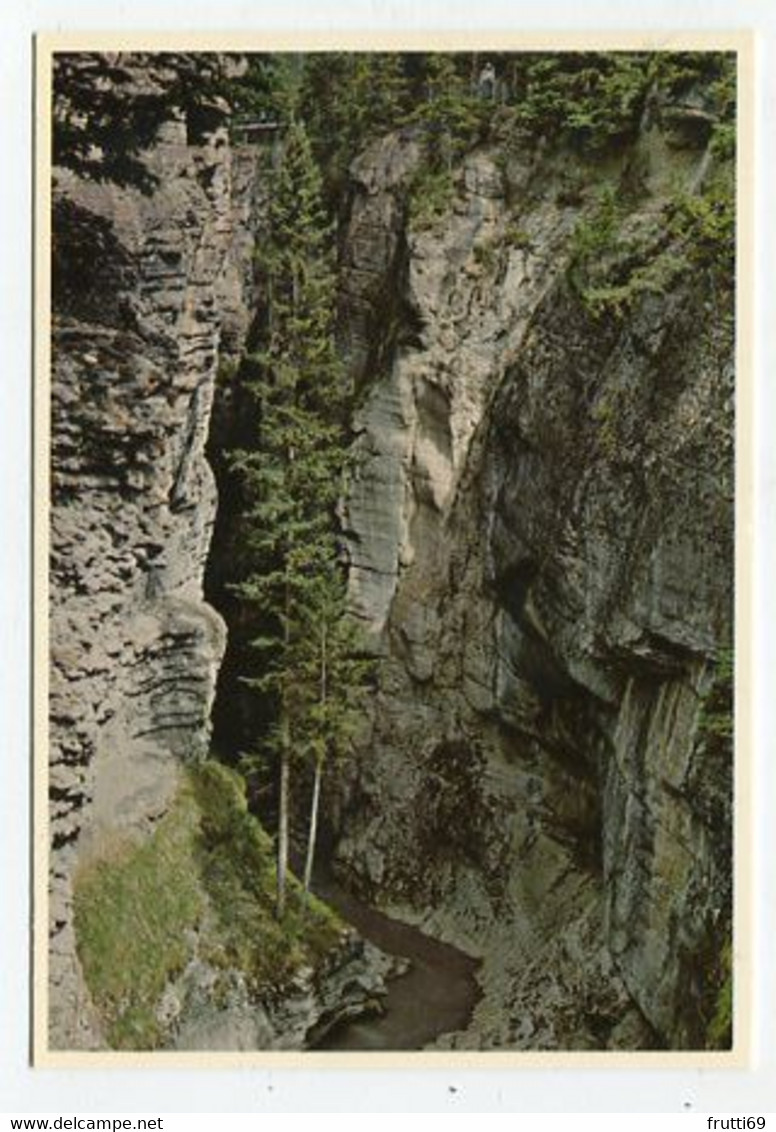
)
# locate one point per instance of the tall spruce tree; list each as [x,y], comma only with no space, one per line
[292,479]
[347,100]
[331,670]
[451,114]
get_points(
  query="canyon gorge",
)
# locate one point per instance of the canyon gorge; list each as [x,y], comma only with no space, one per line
[537,534]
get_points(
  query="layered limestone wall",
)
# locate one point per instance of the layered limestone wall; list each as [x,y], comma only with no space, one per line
[134,647]
[540,540]
[541,545]
[153,290]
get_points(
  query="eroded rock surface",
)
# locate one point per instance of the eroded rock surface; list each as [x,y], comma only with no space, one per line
[153,299]
[541,545]
[134,647]
[540,540]
[349,984]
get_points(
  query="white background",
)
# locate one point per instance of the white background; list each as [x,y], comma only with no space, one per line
[24,1090]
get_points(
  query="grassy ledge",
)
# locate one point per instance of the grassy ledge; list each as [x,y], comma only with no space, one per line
[202,886]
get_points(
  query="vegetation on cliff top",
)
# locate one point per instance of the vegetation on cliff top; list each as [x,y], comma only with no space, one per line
[202,887]
[592,101]
[614,263]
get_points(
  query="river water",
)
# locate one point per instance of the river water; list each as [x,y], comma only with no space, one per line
[437,994]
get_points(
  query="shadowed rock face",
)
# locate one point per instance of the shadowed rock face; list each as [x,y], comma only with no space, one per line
[134,647]
[153,287]
[540,535]
[541,546]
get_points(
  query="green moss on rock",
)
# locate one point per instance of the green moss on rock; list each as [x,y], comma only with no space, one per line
[720,1031]
[132,910]
[431,197]
[203,885]
[236,862]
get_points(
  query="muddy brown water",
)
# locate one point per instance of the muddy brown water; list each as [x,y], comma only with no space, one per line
[436,996]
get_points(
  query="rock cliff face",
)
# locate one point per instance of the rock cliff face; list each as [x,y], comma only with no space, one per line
[134,647]
[541,548]
[540,539]
[350,984]
[152,288]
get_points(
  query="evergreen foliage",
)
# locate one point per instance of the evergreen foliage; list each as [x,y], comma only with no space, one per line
[613,267]
[102,123]
[716,720]
[330,672]
[202,887]
[268,88]
[719,1033]
[450,113]
[705,226]
[612,264]
[430,196]
[292,479]
[346,99]
[590,99]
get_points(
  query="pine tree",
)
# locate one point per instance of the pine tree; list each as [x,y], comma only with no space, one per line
[331,671]
[292,476]
[450,112]
[389,95]
[347,99]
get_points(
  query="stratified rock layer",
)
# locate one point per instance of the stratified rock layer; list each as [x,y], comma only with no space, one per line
[541,548]
[134,647]
[153,296]
[540,536]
